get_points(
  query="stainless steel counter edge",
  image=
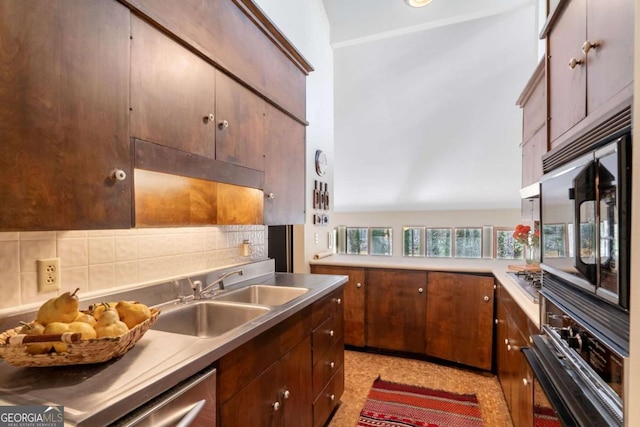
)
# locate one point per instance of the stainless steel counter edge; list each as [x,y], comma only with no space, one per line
[120,392]
[498,268]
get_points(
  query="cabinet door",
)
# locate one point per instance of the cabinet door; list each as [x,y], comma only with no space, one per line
[240,117]
[532,152]
[257,404]
[354,296]
[64,74]
[567,87]
[284,169]
[297,399]
[172,93]
[396,310]
[522,380]
[460,318]
[610,65]
[502,339]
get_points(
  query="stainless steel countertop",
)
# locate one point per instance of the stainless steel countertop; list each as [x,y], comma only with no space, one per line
[99,394]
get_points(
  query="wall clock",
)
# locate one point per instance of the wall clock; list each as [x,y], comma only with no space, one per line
[321,162]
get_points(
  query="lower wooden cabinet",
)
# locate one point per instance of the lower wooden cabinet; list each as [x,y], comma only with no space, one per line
[460,318]
[396,307]
[287,376]
[354,292]
[516,378]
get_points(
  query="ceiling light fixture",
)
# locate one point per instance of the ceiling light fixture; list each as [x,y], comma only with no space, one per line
[417,3]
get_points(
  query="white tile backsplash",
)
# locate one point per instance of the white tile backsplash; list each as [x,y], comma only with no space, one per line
[98,260]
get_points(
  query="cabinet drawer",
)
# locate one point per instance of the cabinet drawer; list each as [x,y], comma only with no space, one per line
[326,365]
[326,335]
[323,309]
[328,398]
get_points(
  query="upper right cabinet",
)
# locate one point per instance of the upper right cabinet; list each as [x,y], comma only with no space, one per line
[590,47]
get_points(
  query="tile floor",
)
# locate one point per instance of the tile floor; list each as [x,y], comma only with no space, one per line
[361,369]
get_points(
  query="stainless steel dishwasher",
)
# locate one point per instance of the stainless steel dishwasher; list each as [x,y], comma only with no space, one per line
[190,403]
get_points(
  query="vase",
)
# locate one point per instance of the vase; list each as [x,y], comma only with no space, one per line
[532,254]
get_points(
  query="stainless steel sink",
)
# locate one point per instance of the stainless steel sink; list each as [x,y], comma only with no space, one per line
[263,294]
[207,319]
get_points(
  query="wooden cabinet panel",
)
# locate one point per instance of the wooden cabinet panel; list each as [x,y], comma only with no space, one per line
[532,152]
[610,65]
[328,398]
[64,74]
[172,93]
[297,398]
[284,169]
[221,31]
[396,310]
[326,365]
[460,318]
[354,297]
[567,87]
[240,120]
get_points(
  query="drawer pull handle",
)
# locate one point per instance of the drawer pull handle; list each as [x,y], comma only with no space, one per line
[286,394]
[420,290]
[276,406]
[332,397]
[332,365]
[358,285]
[525,382]
[339,301]
[331,333]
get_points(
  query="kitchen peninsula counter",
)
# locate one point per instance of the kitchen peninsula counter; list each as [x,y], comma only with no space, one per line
[498,268]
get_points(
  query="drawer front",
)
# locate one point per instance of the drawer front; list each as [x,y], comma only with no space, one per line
[328,398]
[326,307]
[326,335]
[325,366]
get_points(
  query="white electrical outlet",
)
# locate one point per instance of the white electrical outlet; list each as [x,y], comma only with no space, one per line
[48,274]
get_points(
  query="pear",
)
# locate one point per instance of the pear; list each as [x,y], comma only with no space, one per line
[100,308]
[86,318]
[35,328]
[110,325]
[84,329]
[57,328]
[59,309]
[133,313]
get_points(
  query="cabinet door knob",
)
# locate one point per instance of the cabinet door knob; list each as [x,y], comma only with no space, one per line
[420,290]
[275,406]
[208,118]
[573,62]
[525,382]
[271,196]
[358,285]
[118,175]
[286,394]
[587,46]
[223,124]
[486,298]
[506,341]
[332,365]
[332,397]
[339,301]
[331,333]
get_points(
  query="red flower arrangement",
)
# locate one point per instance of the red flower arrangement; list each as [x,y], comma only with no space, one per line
[523,235]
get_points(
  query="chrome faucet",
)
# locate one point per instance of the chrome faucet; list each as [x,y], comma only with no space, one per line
[199,292]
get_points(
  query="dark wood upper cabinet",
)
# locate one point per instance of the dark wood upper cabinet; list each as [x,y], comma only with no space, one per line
[240,124]
[590,62]
[460,318]
[172,93]
[64,74]
[396,310]
[284,169]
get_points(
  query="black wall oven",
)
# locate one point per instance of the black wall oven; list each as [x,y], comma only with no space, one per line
[581,355]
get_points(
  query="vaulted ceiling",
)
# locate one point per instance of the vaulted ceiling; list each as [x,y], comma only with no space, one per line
[425,114]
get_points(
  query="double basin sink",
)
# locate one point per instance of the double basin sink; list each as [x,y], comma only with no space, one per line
[209,318]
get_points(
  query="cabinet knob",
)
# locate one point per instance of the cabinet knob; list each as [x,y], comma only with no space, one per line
[332,397]
[506,341]
[332,365]
[331,333]
[118,175]
[525,382]
[573,62]
[275,406]
[271,196]
[208,118]
[486,298]
[286,394]
[223,124]
[338,301]
[420,290]
[509,347]
[358,285]
[587,46]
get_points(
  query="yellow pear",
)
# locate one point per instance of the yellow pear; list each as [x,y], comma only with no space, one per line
[56,328]
[110,325]
[133,313]
[86,318]
[100,308]
[59,309]
[35,328]
[83,328]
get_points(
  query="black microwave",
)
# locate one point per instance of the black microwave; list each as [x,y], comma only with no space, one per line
[585,221]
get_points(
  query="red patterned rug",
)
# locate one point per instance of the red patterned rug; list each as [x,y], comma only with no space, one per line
[399,405]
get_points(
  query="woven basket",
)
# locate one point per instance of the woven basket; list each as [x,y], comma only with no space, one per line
[94,350]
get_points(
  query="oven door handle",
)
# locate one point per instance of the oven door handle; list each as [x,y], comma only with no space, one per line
[192,414]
